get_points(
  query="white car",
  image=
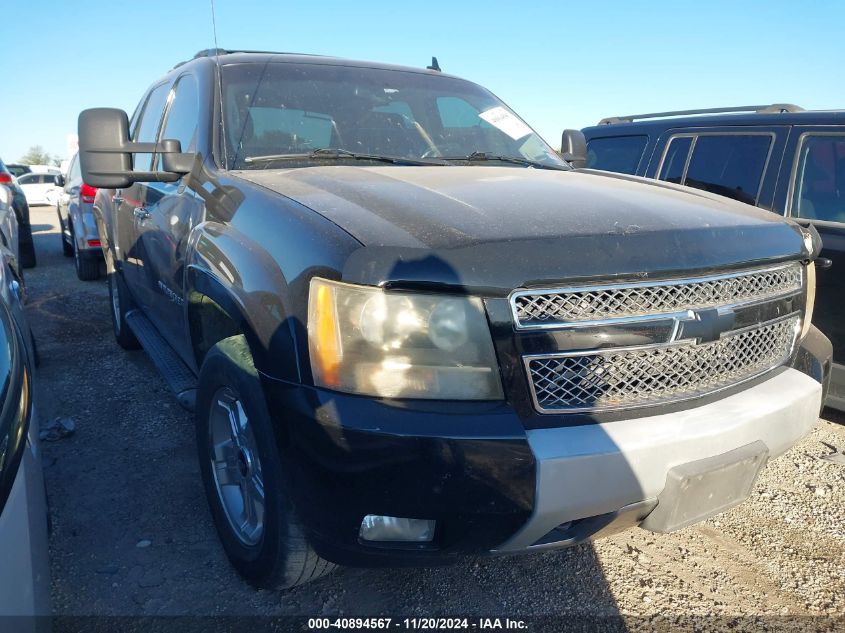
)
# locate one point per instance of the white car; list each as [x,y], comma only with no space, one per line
[41,188]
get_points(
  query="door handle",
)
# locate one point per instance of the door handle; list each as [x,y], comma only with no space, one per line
[141,213]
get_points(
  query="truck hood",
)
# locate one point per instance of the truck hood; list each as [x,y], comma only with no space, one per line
[503,227]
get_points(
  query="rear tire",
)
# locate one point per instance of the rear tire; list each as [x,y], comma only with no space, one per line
[242,473]
[87,265]
[121,304]
[67,247]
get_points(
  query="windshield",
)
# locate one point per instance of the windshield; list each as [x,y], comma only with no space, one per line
[277,114]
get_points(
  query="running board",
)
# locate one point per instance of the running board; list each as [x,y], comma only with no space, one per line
[176,374]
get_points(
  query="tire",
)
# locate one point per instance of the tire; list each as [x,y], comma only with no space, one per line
[27,247]
[271,551]
[121,303]
[87,265]
[67,247]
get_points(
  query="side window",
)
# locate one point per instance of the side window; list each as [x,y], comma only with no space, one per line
[616,153]
[819,189]
[148,126]
[74,172]
[672,169]
[731,165]
[26,179]
[183,115]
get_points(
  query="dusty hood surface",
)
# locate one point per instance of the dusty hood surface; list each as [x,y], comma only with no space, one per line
[507,227]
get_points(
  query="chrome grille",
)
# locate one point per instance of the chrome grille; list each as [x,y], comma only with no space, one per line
[576,306]
[643,376]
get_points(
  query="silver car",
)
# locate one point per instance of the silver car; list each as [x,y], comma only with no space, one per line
[24,571]
[9,225]
[80,237]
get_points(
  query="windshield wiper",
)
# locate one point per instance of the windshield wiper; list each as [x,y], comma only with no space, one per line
[336,153]
[484,156]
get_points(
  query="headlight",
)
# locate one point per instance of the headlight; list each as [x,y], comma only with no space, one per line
[368,341]
[811,298]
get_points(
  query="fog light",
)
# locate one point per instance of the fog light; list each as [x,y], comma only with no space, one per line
[379,528]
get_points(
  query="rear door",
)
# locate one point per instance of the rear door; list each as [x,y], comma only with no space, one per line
[814,194]
[740,163]
[171,210]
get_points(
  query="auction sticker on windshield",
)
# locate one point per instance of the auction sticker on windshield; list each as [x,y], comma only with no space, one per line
[506,121]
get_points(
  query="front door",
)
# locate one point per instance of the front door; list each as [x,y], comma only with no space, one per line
[164,222]
[815,195]
[131,202]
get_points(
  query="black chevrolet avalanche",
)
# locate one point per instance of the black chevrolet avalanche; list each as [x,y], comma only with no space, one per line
[410,331]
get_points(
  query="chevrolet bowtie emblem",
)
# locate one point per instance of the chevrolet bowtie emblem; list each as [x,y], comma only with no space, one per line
[706,326]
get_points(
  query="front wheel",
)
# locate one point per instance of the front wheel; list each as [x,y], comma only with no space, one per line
[121,303]
[242,474]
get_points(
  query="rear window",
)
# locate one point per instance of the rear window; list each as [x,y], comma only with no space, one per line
[730,165]
[616,153]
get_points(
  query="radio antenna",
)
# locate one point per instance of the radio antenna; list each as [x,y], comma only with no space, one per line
[219,86]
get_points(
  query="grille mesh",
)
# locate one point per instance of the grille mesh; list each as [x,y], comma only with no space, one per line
[594,304]
[645,376]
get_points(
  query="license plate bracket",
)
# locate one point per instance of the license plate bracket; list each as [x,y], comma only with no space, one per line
[701,489]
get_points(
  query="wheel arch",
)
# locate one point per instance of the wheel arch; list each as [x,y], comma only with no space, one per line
[216,311]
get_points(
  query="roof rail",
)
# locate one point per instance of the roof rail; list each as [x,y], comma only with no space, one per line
[212,52]
[775,108]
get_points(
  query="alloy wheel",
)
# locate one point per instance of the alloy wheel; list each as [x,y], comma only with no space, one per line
[236,467]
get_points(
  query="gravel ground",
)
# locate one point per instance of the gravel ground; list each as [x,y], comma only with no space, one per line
[132,534]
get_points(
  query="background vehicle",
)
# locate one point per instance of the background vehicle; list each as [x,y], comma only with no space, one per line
[44,169]
[41,188]
[410,331]
[21,207]
[778,157]
[25,572]
[78,227]
[17,169]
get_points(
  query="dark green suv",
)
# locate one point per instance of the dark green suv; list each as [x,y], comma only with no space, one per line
[778,157]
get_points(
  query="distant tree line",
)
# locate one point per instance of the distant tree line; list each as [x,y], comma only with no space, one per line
[37,156]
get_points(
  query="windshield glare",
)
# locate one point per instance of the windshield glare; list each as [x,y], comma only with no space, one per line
[283,108]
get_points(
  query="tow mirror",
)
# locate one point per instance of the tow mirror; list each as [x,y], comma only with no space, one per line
[105,152]
[573,148]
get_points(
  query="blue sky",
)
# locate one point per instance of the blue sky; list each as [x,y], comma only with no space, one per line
[558,64]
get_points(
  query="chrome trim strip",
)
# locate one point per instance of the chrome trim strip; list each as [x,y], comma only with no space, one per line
[687,343]
[684,281]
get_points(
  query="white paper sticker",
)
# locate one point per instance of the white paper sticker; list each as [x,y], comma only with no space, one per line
[505,121]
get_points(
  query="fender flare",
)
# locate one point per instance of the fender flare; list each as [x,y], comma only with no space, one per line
[200,281]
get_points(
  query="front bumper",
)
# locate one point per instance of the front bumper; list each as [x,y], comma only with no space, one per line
[492,486]
[600,469]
